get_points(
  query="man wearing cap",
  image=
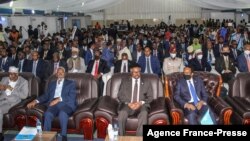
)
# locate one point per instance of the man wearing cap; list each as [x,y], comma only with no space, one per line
[75,63]
[199,63]
[60,98]
[172,64]
[12,90]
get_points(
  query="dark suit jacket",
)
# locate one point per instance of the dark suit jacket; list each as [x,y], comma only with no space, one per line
[134,56]
[88,57]
[204,66]
[182,94]
[125,92]
[50,67]
[238,52]
[242,63]
[68,94]
[220,65]
[155,64]
[118,66]
[40,68]
[25,64]
[102,68]
[49,54]
[8,63]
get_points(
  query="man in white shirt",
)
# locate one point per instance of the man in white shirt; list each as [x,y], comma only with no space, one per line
[13,89]
[60,98]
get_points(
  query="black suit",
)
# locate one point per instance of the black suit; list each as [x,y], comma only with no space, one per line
[102,69]
[134,56]
[220,66]
[200,66]
[118,66]
[125,97]
[50,67]
[40,68]
[24,66]
[48,56]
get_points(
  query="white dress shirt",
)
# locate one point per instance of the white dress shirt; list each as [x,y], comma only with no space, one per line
[59,87]
[124,62]
[150,67]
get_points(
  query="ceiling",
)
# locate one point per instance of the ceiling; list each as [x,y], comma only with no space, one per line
[62,5]
[95,5]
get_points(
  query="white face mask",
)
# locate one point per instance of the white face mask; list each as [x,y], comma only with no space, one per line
[172,55]
[74,56]
[199,56]
[247,52]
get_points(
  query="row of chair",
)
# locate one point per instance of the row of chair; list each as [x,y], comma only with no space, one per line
[93,112]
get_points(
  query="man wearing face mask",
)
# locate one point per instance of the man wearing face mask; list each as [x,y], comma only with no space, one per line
[199,63]
[75,63]
[191,95]
[244,59]
[225,65]
[172,64]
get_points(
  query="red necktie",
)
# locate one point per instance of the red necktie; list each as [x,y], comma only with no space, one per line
[96,68]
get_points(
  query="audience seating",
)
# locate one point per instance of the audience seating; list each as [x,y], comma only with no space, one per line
[107,109]
[82,118]
[212,84]
[239,99]
[16,117]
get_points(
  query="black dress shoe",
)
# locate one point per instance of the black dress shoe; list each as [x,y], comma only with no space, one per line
[1,137]
[64,138]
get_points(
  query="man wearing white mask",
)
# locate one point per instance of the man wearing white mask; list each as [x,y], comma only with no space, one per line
[75,63]
[12,90]
[244,59]
[172,63]
[199,63]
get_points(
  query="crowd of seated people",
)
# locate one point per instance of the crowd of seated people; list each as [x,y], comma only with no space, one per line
[213,46]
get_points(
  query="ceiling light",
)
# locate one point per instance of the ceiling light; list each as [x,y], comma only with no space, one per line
[83,3]
[33,11]
[11,3]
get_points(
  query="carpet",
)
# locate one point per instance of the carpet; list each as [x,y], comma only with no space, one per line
[10,135]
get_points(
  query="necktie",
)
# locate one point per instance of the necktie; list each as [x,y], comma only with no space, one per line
[135,92]
[20,66]
[96,68]
[227,63]
[34,68]
[148,67]
[55,68]
[124,68]
[193,93]
[59,81]
[235,53]
[210,57]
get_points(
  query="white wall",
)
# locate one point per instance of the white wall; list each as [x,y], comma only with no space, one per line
[223,15]
[148,9]
[85,21]
[240,17]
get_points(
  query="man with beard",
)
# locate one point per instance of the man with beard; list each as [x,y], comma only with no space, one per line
[97,67]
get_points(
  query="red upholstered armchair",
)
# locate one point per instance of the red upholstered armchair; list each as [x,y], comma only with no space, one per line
[107,109]
[239,99]
[82,119]
[212,84]
[16,117]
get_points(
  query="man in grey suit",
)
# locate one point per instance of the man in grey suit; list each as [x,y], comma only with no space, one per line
[12,90]
[135,96]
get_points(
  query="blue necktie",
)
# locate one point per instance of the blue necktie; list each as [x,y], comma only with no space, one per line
[147,65]
[193,93]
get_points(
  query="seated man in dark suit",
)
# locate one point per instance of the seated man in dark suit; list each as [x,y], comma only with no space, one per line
[97,68]
[191,95]
[135,96]
[123,65]
[5,61]
[199,63]
[244,59]
[61,101]
[37,66]
[21,63]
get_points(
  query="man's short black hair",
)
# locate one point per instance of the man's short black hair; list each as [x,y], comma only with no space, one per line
[135,65]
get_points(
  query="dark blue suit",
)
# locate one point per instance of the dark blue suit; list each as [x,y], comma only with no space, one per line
[242,63]
[8,63]
[155,64]
[62,109]
[88,57]
[182,96]
[40,68]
